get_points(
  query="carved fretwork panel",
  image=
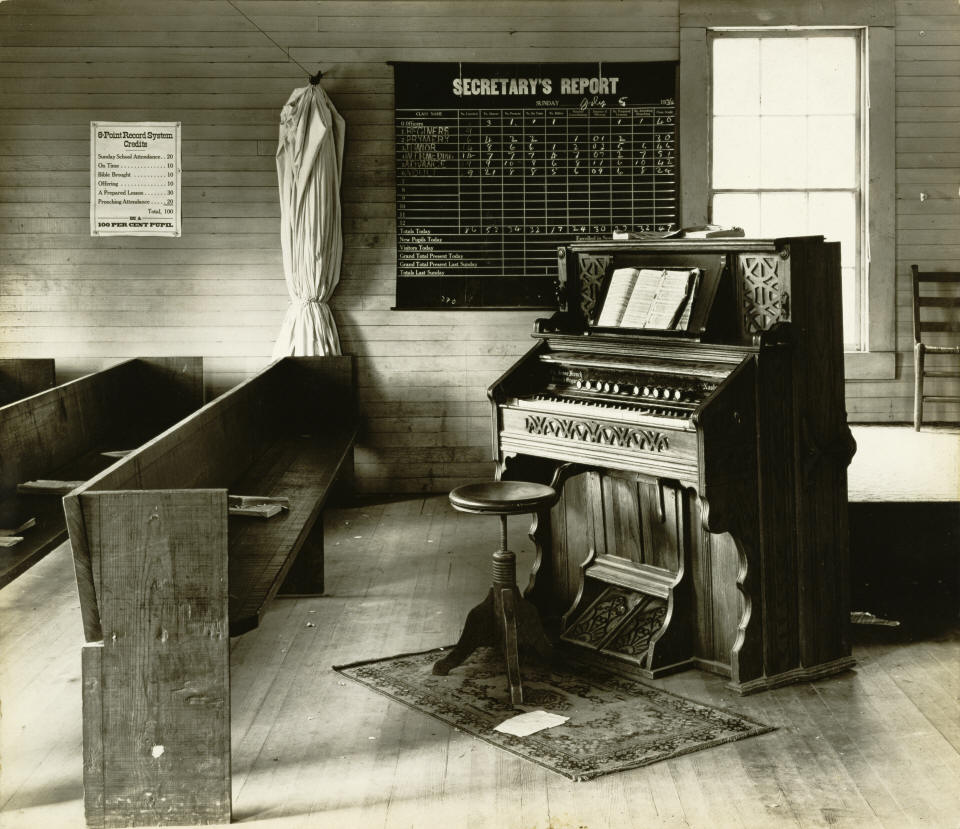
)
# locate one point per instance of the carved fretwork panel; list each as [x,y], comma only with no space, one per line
[592,269]
[634,635]
[619,621]
[763,288]
[601,619]
[604,434]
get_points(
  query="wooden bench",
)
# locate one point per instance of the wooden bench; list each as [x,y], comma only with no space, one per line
[61,435]
[165,576]
[20,378]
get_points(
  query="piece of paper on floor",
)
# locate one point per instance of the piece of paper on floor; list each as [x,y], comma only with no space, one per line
[863,617]
[523,725]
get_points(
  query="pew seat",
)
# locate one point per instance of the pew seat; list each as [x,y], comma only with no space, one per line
[61,434]
[166,575]
[284,553]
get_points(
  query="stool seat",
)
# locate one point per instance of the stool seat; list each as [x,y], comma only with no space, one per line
[502,497]
[504,619]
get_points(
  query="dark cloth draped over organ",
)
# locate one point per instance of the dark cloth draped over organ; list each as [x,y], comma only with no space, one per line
[700,451]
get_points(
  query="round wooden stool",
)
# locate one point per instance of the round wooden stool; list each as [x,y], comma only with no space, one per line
[504,619]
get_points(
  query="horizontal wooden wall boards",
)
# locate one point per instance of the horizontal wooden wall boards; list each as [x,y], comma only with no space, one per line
[218,290]
[788,12]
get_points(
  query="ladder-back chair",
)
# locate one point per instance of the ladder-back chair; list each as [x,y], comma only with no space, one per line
[943,303]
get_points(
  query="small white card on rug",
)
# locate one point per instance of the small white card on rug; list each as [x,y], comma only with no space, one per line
[523,725]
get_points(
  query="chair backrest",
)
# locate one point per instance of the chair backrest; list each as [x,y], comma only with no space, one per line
[944,299]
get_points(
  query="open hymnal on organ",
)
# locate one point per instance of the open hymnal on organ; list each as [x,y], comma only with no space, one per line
[658,298]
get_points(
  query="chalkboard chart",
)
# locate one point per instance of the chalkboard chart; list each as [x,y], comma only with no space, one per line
[499,164]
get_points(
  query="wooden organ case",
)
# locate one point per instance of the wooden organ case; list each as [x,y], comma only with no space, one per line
[702,518]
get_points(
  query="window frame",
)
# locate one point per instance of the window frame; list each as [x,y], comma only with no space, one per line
[858,188]
[876,19]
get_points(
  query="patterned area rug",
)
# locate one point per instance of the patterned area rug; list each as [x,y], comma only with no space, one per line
[615,723]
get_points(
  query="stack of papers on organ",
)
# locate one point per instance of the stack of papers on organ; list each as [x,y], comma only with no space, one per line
[658,298]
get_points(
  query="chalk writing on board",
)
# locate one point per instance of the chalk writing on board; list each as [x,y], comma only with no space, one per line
[134,179]
[499,164]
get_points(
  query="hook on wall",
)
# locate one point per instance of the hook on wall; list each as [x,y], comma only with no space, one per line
[315,79]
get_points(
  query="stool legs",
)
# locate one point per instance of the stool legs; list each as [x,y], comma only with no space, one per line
[504,620]
[480,629]
[510,649]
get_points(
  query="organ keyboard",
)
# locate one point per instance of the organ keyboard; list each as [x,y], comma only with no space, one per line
[701,520]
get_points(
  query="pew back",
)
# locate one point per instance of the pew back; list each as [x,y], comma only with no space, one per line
[21,377]
[61,434]
[213,448]
[116,408]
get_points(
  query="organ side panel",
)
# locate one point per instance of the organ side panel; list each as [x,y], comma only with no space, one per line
[716,604]
[823,449]
[780,586]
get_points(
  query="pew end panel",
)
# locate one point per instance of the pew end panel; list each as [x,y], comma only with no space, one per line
[161,562]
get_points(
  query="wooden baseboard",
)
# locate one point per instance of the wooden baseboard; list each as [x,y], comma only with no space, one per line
[794,675]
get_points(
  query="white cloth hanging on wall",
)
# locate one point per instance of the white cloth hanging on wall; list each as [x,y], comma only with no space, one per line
[309,166]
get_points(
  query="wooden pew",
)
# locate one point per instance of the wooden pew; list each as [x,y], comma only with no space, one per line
[165,576]
[61,434]
[20,378]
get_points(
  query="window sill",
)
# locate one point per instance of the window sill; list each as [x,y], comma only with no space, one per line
[870,365]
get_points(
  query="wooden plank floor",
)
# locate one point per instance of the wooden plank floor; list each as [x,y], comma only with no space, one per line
[877,746]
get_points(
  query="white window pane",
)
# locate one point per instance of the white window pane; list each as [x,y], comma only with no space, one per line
[832,75]
[737,210]
[736,76]
[834,215]
[783,214]
[783,75]
[736,151]
[851,328]
[832,151]
[805,140]
[780,138]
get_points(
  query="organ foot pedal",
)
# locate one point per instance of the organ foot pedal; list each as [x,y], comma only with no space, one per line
[649,631]
[639,612]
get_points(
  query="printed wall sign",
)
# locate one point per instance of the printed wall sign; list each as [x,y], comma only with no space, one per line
[134,178]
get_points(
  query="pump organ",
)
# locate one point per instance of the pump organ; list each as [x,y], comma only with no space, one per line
[702,473]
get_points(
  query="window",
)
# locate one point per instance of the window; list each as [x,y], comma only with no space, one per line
[787,144]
